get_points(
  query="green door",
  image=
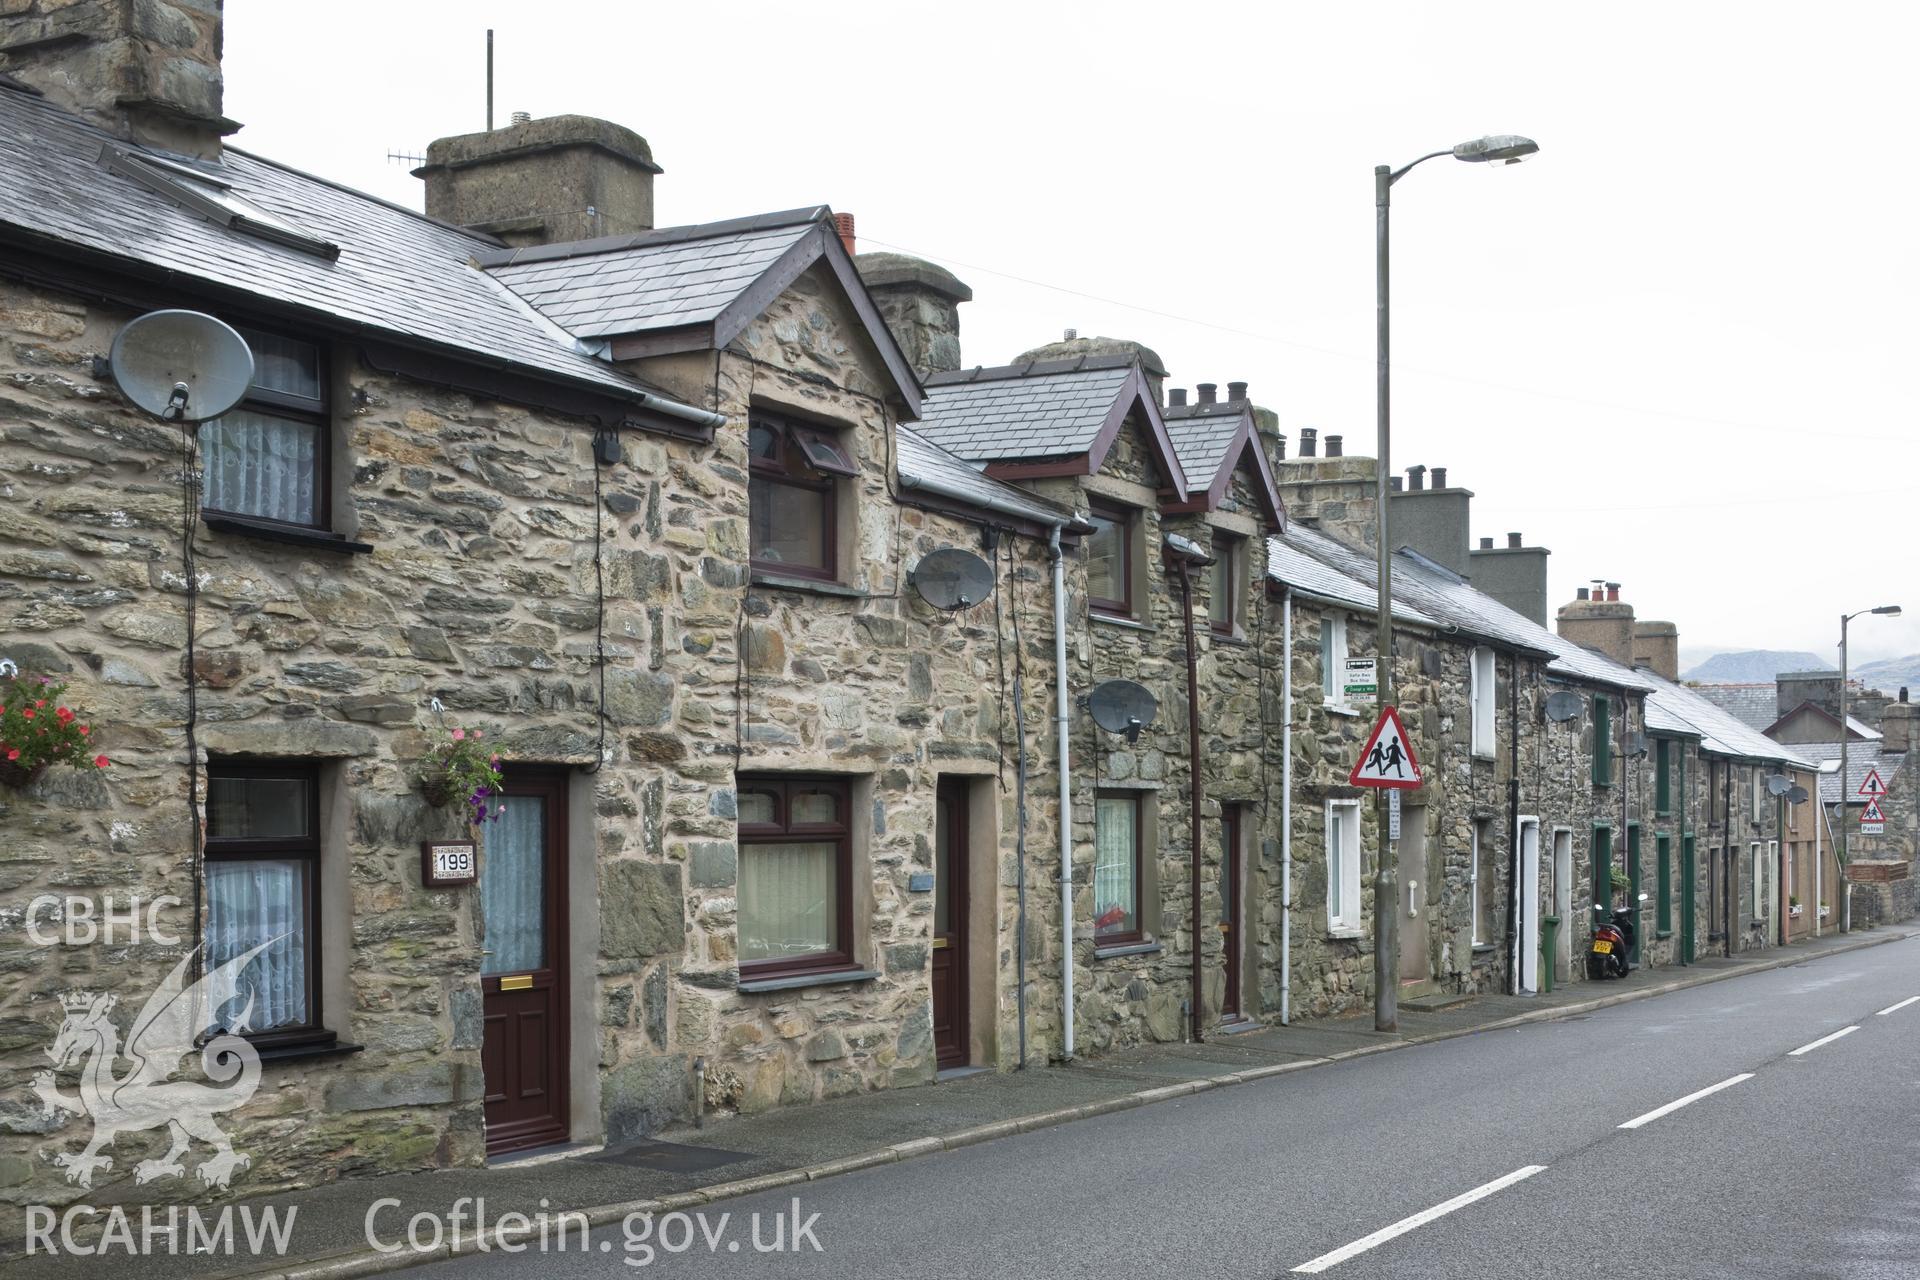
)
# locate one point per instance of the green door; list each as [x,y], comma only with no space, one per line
[1633,890]
[1687,874]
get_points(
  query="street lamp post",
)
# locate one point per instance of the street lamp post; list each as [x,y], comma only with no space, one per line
[1504,149]
[1846,889]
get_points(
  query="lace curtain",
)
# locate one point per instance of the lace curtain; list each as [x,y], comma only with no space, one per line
[247,904]
[513,887]
[262,466]
[787,901]
[1116,905]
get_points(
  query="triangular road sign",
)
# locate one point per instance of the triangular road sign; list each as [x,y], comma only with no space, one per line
[1387,760]
[1873,784]
[1872,813]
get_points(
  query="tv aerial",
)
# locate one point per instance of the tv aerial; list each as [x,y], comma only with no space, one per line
[181,366]
[1122,706]
[1563,706]
[952,579]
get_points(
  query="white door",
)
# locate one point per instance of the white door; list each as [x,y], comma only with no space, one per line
[1563,901]
[1528,905]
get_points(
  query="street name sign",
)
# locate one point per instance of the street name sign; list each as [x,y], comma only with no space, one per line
[1873,820]
[1362,679]
[1387,760]
[1873,784]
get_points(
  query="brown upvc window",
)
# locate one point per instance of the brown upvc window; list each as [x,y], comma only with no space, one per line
[792,491]
[1116,868]
[1223,595]
[796,876]
[262,873]
[1110,560]
[269,458]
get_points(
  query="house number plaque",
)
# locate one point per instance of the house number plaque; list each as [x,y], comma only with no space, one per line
[447,863]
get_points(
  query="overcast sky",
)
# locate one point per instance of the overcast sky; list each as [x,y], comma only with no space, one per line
[1670,347]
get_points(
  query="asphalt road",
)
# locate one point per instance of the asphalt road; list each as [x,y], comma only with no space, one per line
[1809,1166]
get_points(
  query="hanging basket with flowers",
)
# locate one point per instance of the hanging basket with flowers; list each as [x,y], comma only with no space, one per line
[37,731]
[461,768]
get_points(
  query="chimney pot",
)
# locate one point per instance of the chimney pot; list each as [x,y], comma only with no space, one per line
[1177,396]
[1236,391]
[1513,541]
[1206,391]
[1334,446]
[1439,477]
[1308,440]
[1280,445]
[1070,335]
[1416,478]
[1613,591]
[843,223]
[1486,544]
[1393,484]
[1580,593]
[521,117]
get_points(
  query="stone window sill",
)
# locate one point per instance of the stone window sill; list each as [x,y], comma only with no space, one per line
[812,586]
[753,986]
[1114,620]
[267,531]
[1130,949]
[1662,933]
[309,1051]
[1485,948]
[1346,935]
[1339,709]
[1233,640]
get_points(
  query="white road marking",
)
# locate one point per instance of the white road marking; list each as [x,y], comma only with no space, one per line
[1895,1008]
[1678,1103]
[1419,1219]
[1809,1048]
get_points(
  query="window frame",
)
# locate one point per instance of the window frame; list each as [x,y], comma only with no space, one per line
[1477,829]
[1229,569]
[307,849]
[1662,776]
[1602,740]
[791,470]
[1125,519]
[1483,702]
[293,408]
[782,830]
[1758,849]
[1759,794]
[1352,867]
[1663,891]
[1333,660]
[1138,934]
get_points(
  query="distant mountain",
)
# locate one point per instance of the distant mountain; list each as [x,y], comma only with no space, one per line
[1755,666]
[1890,674]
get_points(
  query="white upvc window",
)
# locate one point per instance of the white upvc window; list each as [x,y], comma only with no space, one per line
[1759,797]
[1333,659]
[1481,684]
[1343,866]
[1759,879]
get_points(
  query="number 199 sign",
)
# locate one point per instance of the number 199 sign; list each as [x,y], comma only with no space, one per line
[1387,760]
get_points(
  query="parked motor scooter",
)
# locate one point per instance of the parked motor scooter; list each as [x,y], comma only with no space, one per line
[1607,954]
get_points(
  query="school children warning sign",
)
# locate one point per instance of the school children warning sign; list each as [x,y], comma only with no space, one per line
[1387,759]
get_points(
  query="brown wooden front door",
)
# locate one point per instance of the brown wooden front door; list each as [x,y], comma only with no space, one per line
[523,965]
[950,924]
[1230,909]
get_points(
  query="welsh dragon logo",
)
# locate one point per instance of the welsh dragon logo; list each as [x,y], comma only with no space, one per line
[147,1096]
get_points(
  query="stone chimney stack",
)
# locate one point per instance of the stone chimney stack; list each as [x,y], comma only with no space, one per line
[921,305]
[1432,519]
[1515,575]
[144,70]
[543,181]
[1897,725]
[1332,492]
[1656,646]
[1603,623]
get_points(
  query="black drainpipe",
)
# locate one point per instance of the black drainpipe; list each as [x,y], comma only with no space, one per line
[1193,767]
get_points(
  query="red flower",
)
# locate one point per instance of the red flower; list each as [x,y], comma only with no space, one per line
[100,762]
[64,716]
[41,703]
[83,731]
[13,753]
[27,712]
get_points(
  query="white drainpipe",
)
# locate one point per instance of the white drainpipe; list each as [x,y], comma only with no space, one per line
[1286,806]
[1066,791]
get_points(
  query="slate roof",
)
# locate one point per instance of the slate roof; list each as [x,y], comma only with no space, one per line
[1861,756]
[398,274]
[1202,434]
[1023,411]
[1720,731]
[918,458]
[1751,704]
[1303,558]
[659,279]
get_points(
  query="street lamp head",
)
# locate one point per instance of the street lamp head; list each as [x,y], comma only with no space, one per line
[1888,610]
[1508,148]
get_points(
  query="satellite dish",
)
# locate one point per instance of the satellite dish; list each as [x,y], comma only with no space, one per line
[1563,706]
[1778,784]
[1636,743]
[181,366]
[952,578]
[1122,706]
[1798,795]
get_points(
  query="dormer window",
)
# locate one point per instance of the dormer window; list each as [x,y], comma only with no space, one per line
[792,496]
[214,199]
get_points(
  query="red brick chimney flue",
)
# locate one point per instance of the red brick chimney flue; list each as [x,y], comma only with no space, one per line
[843,223]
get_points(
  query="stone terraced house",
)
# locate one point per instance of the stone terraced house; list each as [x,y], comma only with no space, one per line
[793,635]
